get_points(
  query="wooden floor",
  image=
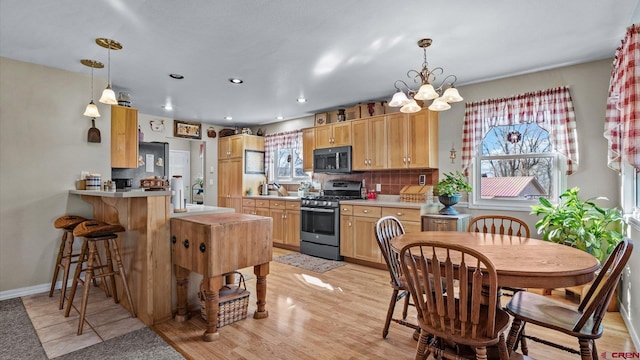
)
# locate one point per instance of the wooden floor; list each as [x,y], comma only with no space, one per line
[335,315]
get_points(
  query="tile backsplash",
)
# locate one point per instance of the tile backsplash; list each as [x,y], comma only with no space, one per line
[391,181]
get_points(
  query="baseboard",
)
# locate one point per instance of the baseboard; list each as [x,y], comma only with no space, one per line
[30,290]
[632,331]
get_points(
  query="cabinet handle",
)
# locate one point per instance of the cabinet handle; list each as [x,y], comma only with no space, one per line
[349,223]
[186,243]
[404,160]
[409,159]
[173,240]
[399,213]
[203,247]
[365,211]
[344,209]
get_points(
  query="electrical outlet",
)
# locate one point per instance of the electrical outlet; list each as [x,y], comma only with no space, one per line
[378,187]
[422,180]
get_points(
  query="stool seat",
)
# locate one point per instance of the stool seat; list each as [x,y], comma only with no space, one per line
[98,232]
[65,253]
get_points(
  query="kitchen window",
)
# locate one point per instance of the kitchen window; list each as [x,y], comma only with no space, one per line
[288,165]
[283,157]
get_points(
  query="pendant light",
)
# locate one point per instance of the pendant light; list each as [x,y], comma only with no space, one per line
[92,110]
[108,96]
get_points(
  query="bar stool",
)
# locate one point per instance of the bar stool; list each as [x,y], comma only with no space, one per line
[65,256]
[95,232]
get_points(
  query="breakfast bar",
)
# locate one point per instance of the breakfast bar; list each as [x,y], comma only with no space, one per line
[145,245]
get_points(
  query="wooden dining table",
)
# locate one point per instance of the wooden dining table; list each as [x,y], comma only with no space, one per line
[520,262]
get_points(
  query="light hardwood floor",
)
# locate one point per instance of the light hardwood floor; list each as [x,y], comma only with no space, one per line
[338,314]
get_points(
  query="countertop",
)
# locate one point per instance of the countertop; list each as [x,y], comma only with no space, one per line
[121,193]
[201,210]
[271,197]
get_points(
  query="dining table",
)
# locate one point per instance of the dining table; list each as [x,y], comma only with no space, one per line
[520,262]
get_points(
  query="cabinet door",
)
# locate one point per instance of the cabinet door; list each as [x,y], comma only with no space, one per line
[422,140]
[360,150]
[236,146]
[365,243]
[124,137]
[341,133]
[278,225]
[262,212]
[411,226]
[223,147]
[436,224]
[396,141]
[308,144]
[377,143]
[324,136]
[292,230]
[346,235]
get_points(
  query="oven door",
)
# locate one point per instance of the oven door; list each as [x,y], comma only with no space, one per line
[320,225]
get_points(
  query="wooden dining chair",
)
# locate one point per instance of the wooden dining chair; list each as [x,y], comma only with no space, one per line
[465,314]
[583,322]
[499,224]
[387,228]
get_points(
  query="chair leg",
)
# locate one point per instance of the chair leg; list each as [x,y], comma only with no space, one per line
[503,353]
[76,276]
[57,264]
[585,349]
[124,278]
[406,305]
[481,353]
[66,268]
[88,274]
[514,333]
[423,349]
[523,340]
[392,305]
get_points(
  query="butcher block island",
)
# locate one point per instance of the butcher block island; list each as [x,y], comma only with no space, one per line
[214,245]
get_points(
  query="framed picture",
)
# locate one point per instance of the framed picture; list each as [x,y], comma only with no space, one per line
[321,119]
[185,129]
[253,162]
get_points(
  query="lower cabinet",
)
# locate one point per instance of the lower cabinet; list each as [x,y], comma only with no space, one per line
[435,222]
[286,223]
[409,218]
[255,207]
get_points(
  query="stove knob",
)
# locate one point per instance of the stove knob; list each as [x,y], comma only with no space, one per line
[324,203]
[315,202]
[329,204]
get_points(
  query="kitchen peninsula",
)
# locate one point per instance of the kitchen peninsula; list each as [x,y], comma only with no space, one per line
[145,245]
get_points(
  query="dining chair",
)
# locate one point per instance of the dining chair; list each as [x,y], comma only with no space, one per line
[499,224]
[387,228]
[584,321]
[466,314]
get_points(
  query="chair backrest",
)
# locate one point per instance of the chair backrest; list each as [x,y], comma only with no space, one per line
[499,224]
[456,314]
[387,228]
[597,299]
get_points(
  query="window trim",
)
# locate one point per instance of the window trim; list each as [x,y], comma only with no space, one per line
[290,179]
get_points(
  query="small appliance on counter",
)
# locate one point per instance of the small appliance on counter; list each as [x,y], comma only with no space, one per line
[123,183]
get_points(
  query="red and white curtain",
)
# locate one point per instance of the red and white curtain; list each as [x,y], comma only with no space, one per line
[273,142]
[622,119]
[551,109]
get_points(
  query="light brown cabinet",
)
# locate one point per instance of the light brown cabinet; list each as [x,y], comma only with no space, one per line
[358,233]
[231,147]
[412,140]
[286,223]
[255,207]
[369,144]
[435,222]
[308,144]
[124,137]
[330,135]
[409,217]
[230,184]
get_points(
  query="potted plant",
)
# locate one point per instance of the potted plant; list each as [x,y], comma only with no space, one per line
[581,224]
[448,190]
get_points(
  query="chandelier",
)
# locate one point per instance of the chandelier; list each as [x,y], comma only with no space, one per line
[441,95]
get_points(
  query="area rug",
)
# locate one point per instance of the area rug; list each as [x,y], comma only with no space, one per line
[18,338]
[307,262]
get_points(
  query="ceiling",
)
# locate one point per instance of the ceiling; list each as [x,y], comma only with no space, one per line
[333,52]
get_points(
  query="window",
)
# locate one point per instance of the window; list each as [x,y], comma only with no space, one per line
[289,165]
[516,166]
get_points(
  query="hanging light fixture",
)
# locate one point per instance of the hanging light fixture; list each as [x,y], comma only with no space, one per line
[108,96]
[441,95]
[91,109]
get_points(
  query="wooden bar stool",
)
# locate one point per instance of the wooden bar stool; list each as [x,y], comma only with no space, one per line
[65,256]
[95,232]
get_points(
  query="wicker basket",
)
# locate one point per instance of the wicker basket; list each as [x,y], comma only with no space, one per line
[415,193]
[233,302]
[154,184]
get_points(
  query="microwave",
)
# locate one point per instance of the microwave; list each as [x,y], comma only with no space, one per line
[335,160]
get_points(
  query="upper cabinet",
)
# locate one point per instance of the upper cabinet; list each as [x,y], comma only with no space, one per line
[412,140]
[124,137]
[369,144]
[308,144]
[230,147]
[337,134]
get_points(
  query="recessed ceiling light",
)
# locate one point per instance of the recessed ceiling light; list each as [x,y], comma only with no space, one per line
[228,118]
[280,118]
[176,76]
[168,107]
[302,100]
[235,81]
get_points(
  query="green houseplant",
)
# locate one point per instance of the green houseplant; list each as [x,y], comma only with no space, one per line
[581,224]
[448,190]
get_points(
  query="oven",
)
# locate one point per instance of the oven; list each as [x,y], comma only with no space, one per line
[320,219]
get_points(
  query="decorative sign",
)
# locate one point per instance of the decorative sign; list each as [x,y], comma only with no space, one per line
[185,129]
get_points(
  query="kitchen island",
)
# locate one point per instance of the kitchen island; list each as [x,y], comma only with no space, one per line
[145,245]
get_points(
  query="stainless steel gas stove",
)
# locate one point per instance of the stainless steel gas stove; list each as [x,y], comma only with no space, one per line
[320,219]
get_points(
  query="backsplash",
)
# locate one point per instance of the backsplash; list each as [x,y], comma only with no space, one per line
[391,182]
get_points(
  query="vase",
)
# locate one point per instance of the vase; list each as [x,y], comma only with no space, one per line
[448,202]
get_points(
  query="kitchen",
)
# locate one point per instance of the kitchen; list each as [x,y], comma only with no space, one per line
[44,147]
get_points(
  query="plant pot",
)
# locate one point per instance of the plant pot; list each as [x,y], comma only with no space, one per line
[448,202]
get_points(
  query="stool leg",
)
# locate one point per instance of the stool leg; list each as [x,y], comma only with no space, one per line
[67,266]
[111,272]
[88,274]
[104,283]
[123,276]
[76,276]
[56,266]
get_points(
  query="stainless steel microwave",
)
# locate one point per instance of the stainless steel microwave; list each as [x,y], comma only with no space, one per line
[335,160]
